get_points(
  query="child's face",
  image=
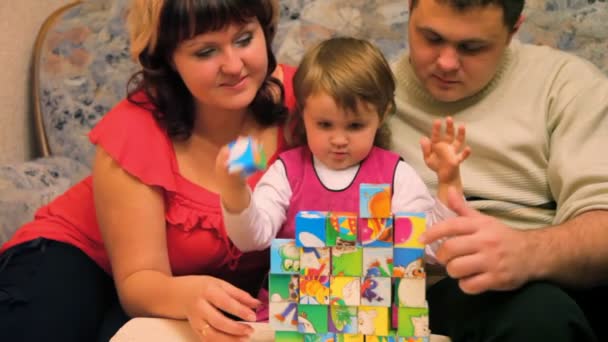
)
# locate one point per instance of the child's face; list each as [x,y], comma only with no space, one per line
[337,137]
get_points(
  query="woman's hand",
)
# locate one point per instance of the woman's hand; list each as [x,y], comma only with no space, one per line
[443,152]
[210,324]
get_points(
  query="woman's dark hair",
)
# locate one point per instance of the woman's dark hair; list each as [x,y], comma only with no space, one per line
[173,21]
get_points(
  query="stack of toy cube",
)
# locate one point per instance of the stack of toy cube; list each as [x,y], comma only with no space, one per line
[351,276]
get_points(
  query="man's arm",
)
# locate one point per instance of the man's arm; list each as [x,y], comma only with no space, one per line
[485,254]
[574,253]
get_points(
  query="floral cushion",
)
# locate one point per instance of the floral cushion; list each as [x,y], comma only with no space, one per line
[26,186]
[85,62]
[84,65]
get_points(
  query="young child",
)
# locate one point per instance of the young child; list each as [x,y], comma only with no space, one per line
[344,91]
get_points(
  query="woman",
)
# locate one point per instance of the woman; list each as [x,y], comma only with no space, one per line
[146,227]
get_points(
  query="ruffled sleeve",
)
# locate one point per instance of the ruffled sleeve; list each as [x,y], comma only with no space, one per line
[133,138]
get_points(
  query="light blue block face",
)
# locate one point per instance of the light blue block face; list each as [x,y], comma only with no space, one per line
[245,157]
[284,257]
[374,200]
[376,291]
[310,229]
[405,259]
[327,337]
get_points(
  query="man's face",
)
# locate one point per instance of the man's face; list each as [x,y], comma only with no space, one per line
[456,53]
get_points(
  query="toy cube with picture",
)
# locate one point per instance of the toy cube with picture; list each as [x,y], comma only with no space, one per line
[343,319]
[246,156]
[407,229]
[347,261]
[348,277]
[311,228]
[284,257]
[375,201]
[376,232]
[341,228]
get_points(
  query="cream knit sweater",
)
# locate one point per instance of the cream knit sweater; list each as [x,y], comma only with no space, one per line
[538,133]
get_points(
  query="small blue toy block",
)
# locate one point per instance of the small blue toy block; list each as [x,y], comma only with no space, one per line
[314,290]
[375,200]
[313,319]
[344,291]
[343,319]
[246,157]
[410,292]
[315,261]
[341,228]
[347,261]
[408,228]
[284,257]
[311,228]
[284,288]
[376,232]
[283,316]
[408,262]
[378,262]
[288,336]
[376,291]
[374,320]
[414,322]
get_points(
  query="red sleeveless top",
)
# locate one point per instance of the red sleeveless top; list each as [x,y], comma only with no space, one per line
[196,238]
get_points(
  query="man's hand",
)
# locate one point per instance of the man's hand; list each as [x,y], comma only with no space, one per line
[479,251]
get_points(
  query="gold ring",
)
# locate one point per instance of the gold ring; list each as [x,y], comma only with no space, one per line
[204,329]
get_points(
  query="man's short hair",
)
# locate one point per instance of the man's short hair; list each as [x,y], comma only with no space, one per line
[511,9]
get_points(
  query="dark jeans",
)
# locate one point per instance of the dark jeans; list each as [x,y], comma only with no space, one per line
[51,291]
[536,312]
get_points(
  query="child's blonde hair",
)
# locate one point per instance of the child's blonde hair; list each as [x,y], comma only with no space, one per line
[351,71]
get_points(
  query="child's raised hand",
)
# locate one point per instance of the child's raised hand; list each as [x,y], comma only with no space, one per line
[444,151]
[226,180]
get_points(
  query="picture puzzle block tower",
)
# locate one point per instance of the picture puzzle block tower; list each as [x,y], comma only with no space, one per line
[351,276]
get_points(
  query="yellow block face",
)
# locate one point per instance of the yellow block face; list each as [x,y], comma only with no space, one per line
[374,320]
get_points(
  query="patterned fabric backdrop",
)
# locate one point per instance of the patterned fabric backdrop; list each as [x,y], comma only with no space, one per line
[84,66]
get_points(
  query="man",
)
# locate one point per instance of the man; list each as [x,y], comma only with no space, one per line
[527,258]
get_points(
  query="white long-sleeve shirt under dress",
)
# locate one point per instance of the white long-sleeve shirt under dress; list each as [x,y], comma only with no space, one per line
[255,227]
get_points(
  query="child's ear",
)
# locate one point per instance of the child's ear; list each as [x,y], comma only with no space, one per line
[390,109]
